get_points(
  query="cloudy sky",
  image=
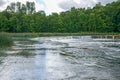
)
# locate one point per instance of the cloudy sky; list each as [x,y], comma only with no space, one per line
[50,6]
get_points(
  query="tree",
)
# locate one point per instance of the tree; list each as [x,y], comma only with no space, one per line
[3,22]
[18,17]
[30,6]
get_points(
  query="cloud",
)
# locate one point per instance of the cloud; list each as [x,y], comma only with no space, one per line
[2,2]
[67,4]
[50,6]
[105,1]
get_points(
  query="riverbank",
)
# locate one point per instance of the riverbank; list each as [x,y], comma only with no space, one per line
[61,34]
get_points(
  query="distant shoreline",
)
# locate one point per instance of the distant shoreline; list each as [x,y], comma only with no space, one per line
[63,34]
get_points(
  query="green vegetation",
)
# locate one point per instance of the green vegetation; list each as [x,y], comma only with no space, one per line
[18,17]
[5,40]
[28,35]
[24,54]
[3,54]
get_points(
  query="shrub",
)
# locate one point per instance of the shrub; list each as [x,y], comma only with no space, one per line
[24,53]
[5,40]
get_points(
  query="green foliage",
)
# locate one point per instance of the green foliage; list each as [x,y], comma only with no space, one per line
[3,54]
[23,18]
[5,40]
[24,54]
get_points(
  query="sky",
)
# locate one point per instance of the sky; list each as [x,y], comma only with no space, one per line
[50,6]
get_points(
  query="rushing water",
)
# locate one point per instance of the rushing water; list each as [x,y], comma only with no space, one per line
[62,58]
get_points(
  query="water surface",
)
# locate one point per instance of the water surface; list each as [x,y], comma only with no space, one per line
[62,58]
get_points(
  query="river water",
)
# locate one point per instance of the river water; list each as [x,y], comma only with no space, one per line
[62,58]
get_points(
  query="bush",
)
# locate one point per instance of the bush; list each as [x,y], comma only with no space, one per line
[5,40]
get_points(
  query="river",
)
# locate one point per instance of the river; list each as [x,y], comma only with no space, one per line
[62,58]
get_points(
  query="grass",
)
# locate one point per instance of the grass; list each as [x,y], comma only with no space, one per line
[24,53]
[26,35]
[59,34]
[67,54]
[3,54]
[5,40]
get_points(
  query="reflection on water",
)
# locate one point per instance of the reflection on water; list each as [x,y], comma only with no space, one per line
[63,58]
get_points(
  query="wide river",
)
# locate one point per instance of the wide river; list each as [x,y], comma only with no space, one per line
[62,58]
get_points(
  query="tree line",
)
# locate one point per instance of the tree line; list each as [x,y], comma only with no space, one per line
[18,17]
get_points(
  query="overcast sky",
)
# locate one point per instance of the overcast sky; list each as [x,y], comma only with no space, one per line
[50,6]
